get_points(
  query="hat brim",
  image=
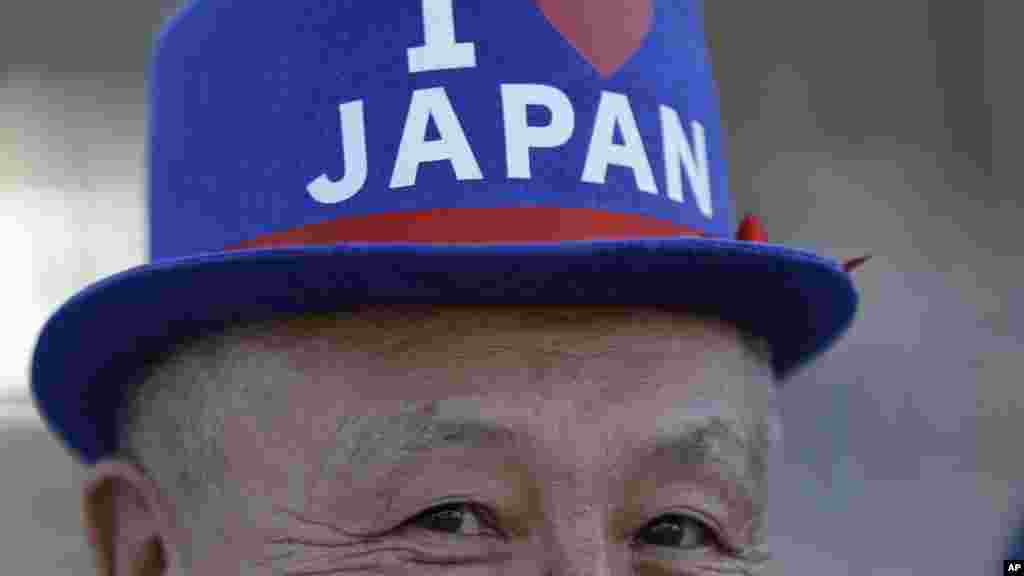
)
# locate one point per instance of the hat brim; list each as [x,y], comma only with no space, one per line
[90,349]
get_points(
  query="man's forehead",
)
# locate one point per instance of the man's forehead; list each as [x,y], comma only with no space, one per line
[449,334]
[400,324]
[389,354]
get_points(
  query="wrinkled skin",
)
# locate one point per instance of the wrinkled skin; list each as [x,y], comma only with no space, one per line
[637,449]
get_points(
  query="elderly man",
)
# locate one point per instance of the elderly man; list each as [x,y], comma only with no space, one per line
[420,303]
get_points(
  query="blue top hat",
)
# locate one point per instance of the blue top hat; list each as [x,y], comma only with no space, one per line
[308,156]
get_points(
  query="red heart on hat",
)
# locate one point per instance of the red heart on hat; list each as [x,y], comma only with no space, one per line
[605,32]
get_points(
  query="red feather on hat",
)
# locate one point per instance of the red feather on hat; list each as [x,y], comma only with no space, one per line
[751,230]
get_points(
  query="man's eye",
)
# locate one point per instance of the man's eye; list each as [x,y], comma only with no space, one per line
[458,518]
[677,531]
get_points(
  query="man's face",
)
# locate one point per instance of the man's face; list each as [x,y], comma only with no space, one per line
[483,442]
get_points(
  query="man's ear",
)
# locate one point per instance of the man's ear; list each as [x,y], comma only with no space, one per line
[128,522]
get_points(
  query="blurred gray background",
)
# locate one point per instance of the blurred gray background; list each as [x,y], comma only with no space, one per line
[872,126]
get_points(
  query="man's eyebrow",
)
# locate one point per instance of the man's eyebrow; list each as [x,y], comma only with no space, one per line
[380,440]
[375,439]
[713,442]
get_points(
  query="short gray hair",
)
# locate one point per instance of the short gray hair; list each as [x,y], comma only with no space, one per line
[170,425]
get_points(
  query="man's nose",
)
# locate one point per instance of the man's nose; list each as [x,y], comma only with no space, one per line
[578,542]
